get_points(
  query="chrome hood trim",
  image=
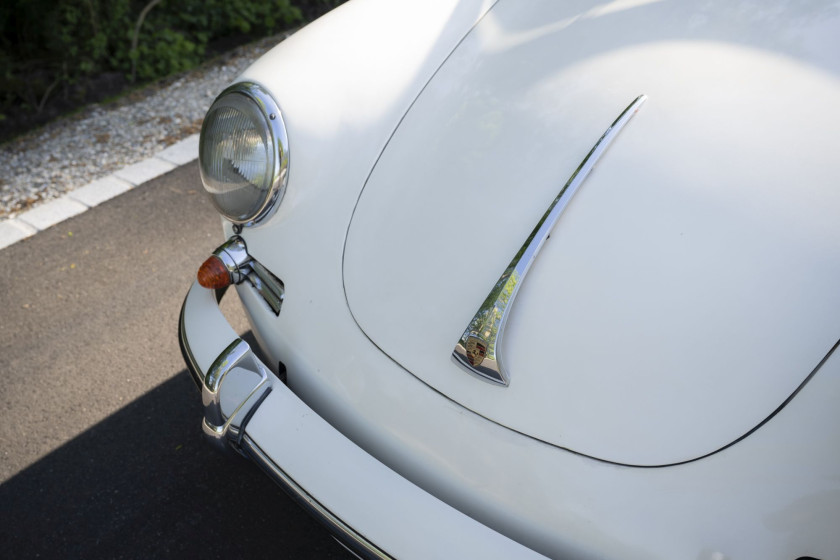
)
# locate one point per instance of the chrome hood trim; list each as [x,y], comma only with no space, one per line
[479,348]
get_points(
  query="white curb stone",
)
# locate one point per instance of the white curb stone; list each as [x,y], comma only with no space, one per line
[181,152]
[145,170]
[52,213]
[93,194]
[97,192]
[12,231]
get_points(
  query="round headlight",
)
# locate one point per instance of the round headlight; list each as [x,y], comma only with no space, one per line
[244,154]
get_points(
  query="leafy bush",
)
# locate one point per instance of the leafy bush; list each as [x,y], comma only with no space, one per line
[49,47]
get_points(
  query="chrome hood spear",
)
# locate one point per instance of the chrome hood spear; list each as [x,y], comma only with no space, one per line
[479,349]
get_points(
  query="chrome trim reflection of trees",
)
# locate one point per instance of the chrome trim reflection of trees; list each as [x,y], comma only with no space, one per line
[479,348]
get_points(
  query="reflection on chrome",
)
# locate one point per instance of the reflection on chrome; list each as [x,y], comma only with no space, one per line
[237,356]
[478,349]
[242,267]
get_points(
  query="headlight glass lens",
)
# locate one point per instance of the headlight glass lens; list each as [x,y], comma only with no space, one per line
[242,154]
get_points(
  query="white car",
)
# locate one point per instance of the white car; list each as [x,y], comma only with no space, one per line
[536,278]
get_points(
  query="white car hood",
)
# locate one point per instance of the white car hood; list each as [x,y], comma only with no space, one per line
[689,288]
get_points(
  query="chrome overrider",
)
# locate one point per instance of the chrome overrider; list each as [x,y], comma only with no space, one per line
[236,357]
[237,365]
[479,348]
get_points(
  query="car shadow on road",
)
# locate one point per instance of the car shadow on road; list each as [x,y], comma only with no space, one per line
[144,484]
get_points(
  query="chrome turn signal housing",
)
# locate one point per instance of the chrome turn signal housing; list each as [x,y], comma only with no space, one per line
[231,264]
[244,154]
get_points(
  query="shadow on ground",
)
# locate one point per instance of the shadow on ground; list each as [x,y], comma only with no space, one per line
[144,484]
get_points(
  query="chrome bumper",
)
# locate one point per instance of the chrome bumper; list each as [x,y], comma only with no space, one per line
[224,422]
[248,408]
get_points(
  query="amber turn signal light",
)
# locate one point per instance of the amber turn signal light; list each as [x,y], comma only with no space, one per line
[213,274]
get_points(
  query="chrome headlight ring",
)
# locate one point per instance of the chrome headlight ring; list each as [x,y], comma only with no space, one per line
[244,154]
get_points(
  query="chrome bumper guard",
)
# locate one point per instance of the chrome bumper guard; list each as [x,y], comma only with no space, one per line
[249,382]
[238,361]
[248,408]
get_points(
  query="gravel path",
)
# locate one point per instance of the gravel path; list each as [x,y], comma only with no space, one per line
[103,138]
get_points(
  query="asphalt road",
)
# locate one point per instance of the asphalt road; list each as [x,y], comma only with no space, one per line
[102,455]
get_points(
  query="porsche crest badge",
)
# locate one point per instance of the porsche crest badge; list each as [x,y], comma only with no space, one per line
[476,350]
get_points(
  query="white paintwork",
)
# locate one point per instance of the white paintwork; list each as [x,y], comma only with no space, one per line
[774,495]
[342,91]
[403,520]
[691,285]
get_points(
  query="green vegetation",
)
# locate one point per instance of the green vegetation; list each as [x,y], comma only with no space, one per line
[60,49]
